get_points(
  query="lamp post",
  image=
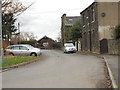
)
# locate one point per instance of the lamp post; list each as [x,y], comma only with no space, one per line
[19,33]
[1,46]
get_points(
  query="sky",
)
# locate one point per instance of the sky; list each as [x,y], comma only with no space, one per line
[44,16]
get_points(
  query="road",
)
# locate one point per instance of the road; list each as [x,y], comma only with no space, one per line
[58,70]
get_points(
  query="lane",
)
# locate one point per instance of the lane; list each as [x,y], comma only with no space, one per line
[58,70]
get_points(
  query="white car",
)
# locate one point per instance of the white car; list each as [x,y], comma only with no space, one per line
[69,47]
[23,50]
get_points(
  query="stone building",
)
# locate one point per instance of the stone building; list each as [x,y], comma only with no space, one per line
[67,22]
[99,21]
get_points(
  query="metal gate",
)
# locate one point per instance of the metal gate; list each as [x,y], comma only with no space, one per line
[104,46]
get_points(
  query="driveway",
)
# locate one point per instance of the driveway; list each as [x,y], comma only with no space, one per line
[58,70]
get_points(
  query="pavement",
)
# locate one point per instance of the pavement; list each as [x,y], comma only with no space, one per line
[58,70]
[113,65]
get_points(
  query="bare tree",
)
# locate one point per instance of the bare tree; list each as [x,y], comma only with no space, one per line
[27,36]
[10,10]
[13,6]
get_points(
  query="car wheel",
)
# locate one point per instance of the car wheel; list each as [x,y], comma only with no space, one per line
[12,54]
[33,54]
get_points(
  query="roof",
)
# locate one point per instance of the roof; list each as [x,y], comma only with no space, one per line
[88,7]
[72,19]
[45,37]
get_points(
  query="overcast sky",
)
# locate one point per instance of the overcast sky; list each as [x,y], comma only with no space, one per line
[44,16]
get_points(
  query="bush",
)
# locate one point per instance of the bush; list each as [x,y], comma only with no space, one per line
[28,42]
[117,32]
[57,45]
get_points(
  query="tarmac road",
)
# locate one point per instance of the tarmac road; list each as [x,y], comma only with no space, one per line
[58,70]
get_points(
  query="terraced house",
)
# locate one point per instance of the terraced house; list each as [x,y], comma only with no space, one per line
[98,23]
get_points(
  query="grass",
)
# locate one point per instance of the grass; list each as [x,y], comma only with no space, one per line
[16,60]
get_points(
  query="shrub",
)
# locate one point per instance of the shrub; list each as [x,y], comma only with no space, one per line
[57,45]
[117,32]
[28,42]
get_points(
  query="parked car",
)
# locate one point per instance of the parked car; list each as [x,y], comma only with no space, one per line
[69,47]
[23,50]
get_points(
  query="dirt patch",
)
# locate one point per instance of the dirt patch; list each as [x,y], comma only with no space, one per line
[101,84]
[107,77]
[9,56]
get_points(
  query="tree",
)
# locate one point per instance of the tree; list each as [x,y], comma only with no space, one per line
[10,9]
[56,45]
[73,32]
[13,6]
[8,26]
[27,36]
[117,32]
[76,32]
[68,29]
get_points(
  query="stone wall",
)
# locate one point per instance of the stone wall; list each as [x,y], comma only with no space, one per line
[90,35]
[119,47]
[113,46]
[119,12]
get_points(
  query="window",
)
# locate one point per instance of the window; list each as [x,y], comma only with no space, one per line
[70,19]
[23,48]
[87,17]
[85,39]
[83,19]
[69,45]
[10,47]
[93,14]
[16,47]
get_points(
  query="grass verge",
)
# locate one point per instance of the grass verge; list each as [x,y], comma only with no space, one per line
[16,60]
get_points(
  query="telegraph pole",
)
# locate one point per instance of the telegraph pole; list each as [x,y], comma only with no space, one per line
[1,45]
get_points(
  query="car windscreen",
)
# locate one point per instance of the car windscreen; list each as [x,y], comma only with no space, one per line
[69,45]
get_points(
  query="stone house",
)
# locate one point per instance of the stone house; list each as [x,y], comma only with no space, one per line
[66,23]
[46,43]
[99,21]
